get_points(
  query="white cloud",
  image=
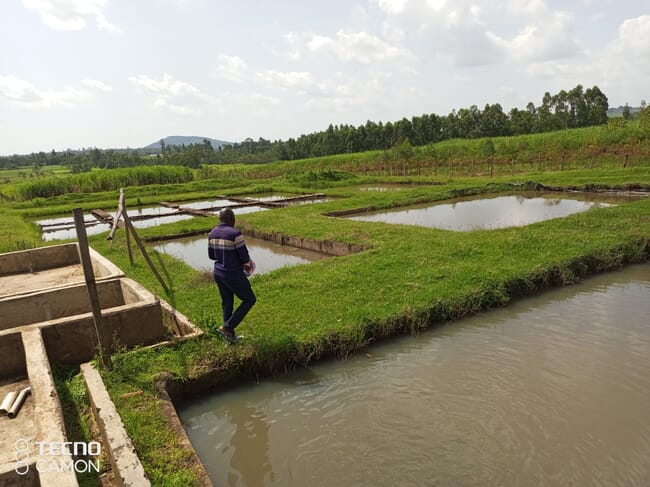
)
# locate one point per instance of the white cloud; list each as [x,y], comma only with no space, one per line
[634,35]
[529,8]
[173,95]
[624,65]
[232,68]
[343,92]
[550,37]
[361,47]
[620,69]
[293,79]
[19,91]
[95,84]
[23,93]
[71,14]
[391,6]
[476,33]
[259,99]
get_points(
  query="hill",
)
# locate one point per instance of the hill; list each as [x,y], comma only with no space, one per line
[185,140]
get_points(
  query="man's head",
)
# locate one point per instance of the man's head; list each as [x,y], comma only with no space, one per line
[227,216]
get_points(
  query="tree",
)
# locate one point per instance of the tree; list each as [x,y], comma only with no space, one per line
[494,122]
[627,114]
[597,106]
[644,119]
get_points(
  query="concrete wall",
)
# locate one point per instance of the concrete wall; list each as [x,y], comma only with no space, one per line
[12,479]
[12,357]
[48,415]
[35,260]
[126,466]
[131,316]
[44,258]
[75,341]
[58,303]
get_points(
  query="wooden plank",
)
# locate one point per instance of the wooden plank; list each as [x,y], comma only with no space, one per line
[102,215]
[194,211]
[168,204]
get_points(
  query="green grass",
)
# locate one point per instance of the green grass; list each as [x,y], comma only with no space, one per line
[77,417]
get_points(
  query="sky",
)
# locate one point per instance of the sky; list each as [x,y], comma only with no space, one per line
[124,73]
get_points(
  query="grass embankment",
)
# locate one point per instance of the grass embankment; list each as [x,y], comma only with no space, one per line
[410,279]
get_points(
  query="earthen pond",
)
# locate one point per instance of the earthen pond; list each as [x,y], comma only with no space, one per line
[268,256]
[551,390]
[490,212]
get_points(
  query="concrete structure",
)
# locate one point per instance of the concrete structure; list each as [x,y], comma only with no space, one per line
[49,267]
[126,465]
[45,317]
[131,316]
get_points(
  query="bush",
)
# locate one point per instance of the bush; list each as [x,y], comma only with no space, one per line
[105,180]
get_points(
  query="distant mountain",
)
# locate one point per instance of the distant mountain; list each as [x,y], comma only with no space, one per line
[185,140]
[618,112]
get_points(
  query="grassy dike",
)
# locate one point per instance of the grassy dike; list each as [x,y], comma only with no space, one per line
[410,278]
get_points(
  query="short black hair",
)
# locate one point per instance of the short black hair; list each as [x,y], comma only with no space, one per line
[227,216]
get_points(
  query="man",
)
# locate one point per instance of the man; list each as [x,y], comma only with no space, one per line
[227,248]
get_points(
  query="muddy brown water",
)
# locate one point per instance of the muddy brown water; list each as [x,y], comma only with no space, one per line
[484,213]
[268,256]
[552,390]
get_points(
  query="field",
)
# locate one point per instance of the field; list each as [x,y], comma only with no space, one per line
[408,279]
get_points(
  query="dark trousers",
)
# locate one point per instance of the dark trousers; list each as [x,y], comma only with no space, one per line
[228,289]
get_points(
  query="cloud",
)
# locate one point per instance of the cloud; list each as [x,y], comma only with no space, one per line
[471,33]
[173,95]
[292,79]
[71,14]
[259,99]
[621,68]
[625,63]
[342,92]
[361,47]
[391,6]
[550,37]
[96,85]
[22,93]
[634,35]
[232,68]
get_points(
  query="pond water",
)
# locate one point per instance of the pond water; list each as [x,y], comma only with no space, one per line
[160,220]
[268,196]
[63,227]
[267,255]
[484,213]
[202,205]
[383,188]
[552,390]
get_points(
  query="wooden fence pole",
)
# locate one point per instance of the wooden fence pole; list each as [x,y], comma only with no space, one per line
[129,228]
[84,256]
[116,218]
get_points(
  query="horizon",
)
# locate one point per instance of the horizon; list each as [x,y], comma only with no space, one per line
[127,148]
[94,74]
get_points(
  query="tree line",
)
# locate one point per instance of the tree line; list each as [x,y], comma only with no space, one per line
[566,109]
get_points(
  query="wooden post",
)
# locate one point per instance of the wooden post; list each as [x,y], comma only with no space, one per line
[128,238]
[129,228]
[84,256]
[116,218]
